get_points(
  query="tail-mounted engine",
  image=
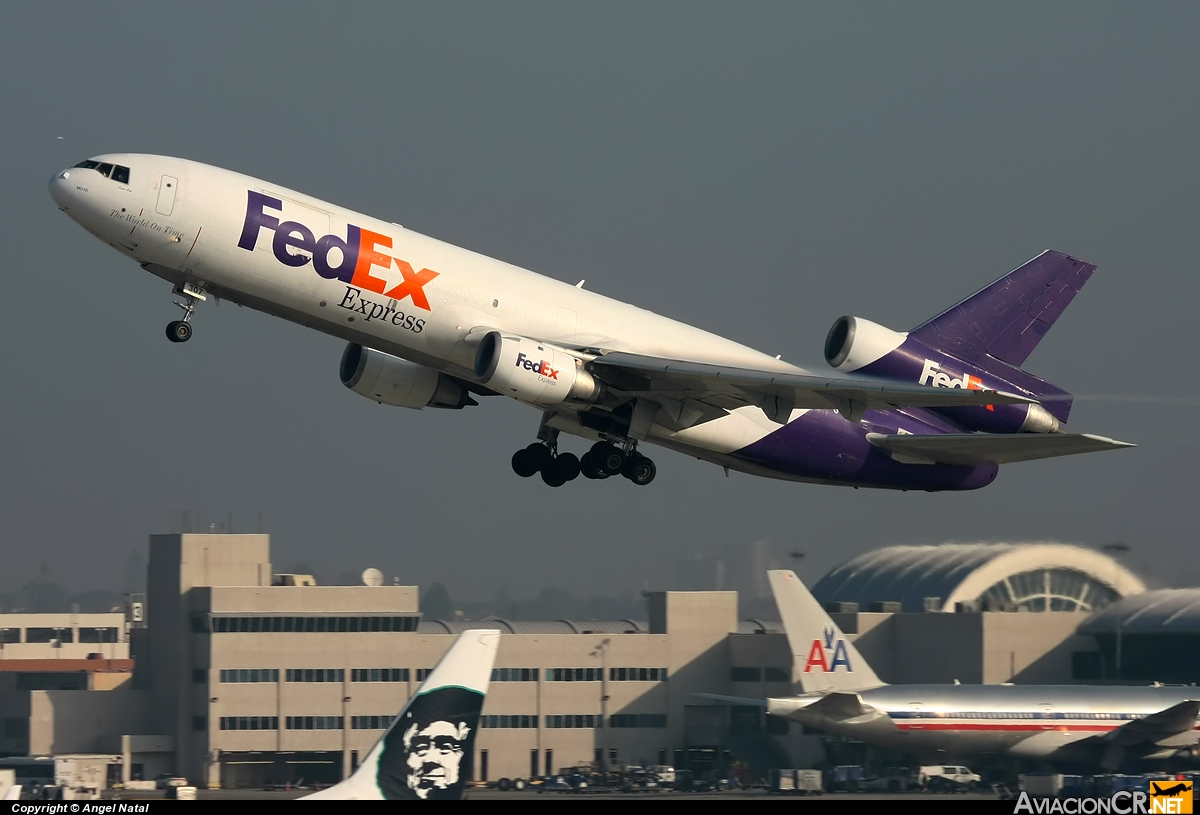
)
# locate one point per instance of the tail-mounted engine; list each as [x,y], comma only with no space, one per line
[533,371]
[393,381]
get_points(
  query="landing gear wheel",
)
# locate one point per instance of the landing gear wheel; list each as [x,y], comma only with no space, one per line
[642,471]
[608,458]
[567,465]
[523,463]
[553,478]
[589,468]
[179,331]
[539,455]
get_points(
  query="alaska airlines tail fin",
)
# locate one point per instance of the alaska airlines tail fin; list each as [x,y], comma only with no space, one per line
[824,659]
[427,751]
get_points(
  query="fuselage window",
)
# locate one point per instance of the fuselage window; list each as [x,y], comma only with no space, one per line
[105,169]
[120,174]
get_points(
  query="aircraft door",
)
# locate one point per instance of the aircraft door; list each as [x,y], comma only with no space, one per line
[167,187]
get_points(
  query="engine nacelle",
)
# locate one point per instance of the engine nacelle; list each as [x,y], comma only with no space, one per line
[854,342]
[393,381]
[533,371]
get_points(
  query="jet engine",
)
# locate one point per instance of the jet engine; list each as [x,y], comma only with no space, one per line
[854,342]
[533,371]
[390,380]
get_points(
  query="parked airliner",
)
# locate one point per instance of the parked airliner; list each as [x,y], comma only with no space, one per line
[1071,724]
[430,324]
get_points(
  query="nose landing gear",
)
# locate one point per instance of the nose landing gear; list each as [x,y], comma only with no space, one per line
[181,330]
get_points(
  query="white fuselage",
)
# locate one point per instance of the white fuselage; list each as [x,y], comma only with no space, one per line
[408,295]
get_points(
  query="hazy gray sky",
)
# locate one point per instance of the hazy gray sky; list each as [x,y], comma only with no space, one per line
[753,169]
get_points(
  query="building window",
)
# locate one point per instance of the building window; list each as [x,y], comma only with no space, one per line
[745,674]
[316,674]
[379,674]
[507,721]
[568,721]
[514,674]
[49,635]
[242,675]
[637,674]
[10,635]
[305,625]
[249,723]
[776,726]
[314,722]
[199,723]
[97,635]
[777,675]
[573,675]
[423,674]
[638,720]
[371,722]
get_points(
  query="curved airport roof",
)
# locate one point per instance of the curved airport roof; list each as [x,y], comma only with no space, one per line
[1032,576]
[1165,611]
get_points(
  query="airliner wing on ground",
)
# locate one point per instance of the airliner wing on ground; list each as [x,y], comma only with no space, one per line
[429,324]
[427,751]
[1068,724]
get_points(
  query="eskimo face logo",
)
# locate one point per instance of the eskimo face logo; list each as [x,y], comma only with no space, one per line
[434,756]
[427,751]
[827,653]
[357,252]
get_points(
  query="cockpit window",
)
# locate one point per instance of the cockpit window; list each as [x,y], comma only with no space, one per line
[104,169]
[88,164]
[120,174]
[116,172]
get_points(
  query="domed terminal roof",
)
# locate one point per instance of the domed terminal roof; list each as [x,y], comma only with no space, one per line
[1165,611]
[982,576]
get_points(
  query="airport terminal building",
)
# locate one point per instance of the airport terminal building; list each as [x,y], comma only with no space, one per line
[241,681]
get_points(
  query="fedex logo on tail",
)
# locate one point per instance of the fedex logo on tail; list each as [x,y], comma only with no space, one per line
[828,653]
[357,254]
[931,375]
[541,368]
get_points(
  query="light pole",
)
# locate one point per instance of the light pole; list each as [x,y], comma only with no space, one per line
[1117,549]
[600,651]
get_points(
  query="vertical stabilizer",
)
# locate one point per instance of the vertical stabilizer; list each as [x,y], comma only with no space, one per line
[427,751]
[824,660]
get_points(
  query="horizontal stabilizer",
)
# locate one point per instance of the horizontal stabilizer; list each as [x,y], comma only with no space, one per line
[973,449]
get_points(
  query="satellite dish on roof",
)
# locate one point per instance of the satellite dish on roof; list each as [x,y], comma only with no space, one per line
[372,577]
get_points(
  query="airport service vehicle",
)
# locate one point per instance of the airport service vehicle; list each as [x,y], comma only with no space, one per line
[427,751]
[429,324]
[1068,724]
[947,777]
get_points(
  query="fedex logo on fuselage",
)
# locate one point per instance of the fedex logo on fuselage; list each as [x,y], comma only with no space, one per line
[828,653]
[541,368]
[357,254]
[931,375]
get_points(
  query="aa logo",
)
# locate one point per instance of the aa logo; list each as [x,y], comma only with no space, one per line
[1171,797]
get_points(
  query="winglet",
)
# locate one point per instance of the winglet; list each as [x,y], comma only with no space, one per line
[823,659]
[441,720]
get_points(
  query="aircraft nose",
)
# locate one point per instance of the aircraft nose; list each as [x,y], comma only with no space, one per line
[60,189]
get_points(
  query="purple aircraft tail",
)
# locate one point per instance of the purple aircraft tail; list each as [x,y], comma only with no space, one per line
[1006,320]
[979,343]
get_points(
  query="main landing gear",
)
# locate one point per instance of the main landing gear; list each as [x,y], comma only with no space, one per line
[602,461]
[181,330]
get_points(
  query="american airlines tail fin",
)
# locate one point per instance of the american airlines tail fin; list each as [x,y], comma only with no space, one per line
[427,751]
[824,659]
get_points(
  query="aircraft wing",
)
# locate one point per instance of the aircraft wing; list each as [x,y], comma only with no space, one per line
[733,700]
[980,448]
[777,393]
[1156,727]
[840,706]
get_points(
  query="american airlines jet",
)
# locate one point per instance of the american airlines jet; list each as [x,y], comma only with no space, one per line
[1071,724]
[432,325]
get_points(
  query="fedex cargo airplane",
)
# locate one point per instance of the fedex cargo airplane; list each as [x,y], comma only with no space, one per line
[1070,724]
[431,325]
[426,752]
